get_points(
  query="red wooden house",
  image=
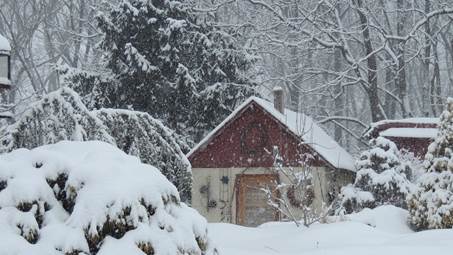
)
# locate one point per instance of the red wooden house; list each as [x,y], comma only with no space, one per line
[237,157]
[412,135]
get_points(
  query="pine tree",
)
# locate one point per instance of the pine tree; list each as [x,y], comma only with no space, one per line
[171,64]
[431,206]
[183,96]
[96,88]
[381,179]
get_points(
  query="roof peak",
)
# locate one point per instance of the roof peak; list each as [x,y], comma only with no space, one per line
[301,125]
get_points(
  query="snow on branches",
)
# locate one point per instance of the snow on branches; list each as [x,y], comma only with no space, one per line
[92,198]
[381,179]
[166,61]
[61,115]
[148,139]
[431,206]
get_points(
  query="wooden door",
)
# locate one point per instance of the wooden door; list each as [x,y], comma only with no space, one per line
[252,207]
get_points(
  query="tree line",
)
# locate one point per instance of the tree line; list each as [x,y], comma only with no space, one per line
[345,62]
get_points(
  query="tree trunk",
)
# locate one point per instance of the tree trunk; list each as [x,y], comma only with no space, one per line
[390,102]
[401,67]
[338,96]
[426,61]
[436,91]
[377,112]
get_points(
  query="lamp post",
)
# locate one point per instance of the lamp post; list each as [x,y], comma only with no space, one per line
[5,71]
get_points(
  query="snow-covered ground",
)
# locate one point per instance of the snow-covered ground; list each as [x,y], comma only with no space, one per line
[381,231]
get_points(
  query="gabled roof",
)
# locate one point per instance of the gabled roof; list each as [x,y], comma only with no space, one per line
[301,125]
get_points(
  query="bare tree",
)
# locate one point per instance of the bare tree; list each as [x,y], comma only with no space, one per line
[346,62]
[379,54]
[43,35]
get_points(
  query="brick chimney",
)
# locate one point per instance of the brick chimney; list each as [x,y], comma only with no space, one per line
[279,99]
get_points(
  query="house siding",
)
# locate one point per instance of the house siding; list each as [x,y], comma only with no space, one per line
[417,146]
[325,181]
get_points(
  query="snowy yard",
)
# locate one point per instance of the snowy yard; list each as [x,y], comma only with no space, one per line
[380,231]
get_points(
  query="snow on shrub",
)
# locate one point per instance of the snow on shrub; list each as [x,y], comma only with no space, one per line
[431,206]
[61,115]
[354,200]
[381,179]
[58,116]
[143,130]
[92,198]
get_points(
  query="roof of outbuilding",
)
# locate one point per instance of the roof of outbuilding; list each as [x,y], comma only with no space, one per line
[410,132]
[377,128]
[422,120]
[301,125]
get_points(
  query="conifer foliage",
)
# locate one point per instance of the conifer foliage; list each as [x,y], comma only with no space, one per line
[61,115]
[431,206]
[381,179]
[58,116]
[172,65]
[152,142]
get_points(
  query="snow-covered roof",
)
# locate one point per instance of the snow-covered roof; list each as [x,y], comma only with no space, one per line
[299,124]
[377,127]
[4,44]
[410,132]
[5,114]
[423,120]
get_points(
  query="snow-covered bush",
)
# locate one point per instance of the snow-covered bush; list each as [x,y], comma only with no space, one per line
[431,206]
[380,179]
[92,198]
[143,131]
[61,115]
[413,162]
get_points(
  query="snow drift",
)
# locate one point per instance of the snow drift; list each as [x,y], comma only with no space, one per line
[383,230]
[92,198]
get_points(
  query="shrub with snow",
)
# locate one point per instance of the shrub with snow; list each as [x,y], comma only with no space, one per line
[381,179]
[143,131]
[61,115]
[431,206]
[92,198]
